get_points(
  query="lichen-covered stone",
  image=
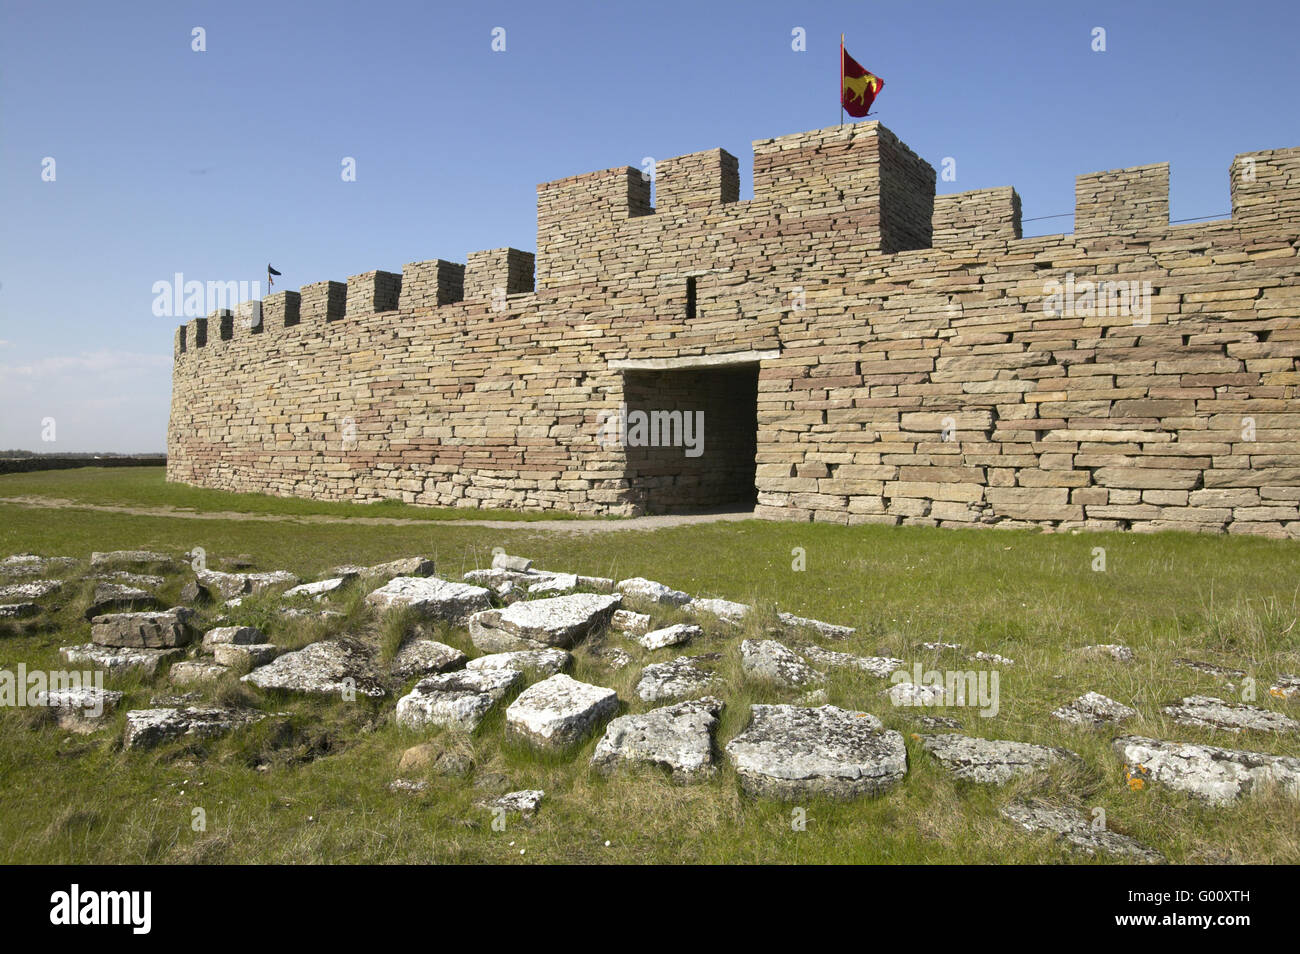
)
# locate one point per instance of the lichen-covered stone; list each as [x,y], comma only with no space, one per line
[992,761]
[30,590]
[1215,775]
[559,711]
[1078,832]
[80,710]
[677,678]
[421,657]
[120,598]
[430,597]
[187,672]
[677,737]
[539,662]
[768,660]
[829,630]
[726,610]
[149,630]
[331,667]
[244,654]
[146,728]
[880,666]
[793,752]
[652,592]
[1094,710]
[458,699]
[674,635]
[558,621]
[120,658]
[1211,713]
[238,635]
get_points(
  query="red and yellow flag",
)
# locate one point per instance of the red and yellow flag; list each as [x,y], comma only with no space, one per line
[858,86]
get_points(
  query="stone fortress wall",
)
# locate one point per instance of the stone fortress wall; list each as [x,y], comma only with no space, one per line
[863,350]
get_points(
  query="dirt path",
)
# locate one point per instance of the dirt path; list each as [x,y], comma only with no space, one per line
[548,526]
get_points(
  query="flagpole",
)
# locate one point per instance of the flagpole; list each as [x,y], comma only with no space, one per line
[841,79]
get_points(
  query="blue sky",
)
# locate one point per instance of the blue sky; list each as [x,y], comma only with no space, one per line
[212,163]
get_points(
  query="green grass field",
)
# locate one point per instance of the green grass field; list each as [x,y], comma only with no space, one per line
[314,787]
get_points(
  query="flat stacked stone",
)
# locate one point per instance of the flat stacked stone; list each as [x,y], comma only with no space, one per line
[330,667]
[149,630]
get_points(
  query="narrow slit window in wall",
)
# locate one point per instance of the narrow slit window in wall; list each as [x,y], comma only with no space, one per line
[690,298]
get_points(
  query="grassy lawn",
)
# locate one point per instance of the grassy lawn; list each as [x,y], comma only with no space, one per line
[147,487]
[313,786]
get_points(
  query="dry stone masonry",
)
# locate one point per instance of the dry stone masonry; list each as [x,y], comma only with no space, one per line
[858,349]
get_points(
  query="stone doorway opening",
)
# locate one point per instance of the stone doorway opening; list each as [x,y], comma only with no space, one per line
[691,436]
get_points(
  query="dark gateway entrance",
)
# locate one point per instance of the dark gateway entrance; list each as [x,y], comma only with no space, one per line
[691,437]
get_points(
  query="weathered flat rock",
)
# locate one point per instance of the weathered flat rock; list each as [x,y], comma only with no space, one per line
[142,580]
[19,610]
[244,654]
[31,590]
[188,672]
[524,802]
[119,598]
[29,564]
[915,694]
[541,662]
[677,678]
[652,592]
[1113,651]
[613,657]
[319,590]
[769,660]
[330,667]
[941,647]
[431,597]
[536,624]
[880,666]
[939,722]
[237,635]
[230,585]
[149,727]
[80,710]
[634,624]
[829,630]
[559,711]
[422,657]
[498,579]
[792,752]
[150,630]
[992,761]
[670,636]
[1095,711]
[996,658]
[677,737]
[1285,687]
[1211,713]
[407,566]
[458,699]
[725,610]
[1216,775]
[119,658]
[1211,669]
[1077,831]
[568,582]
[131,558]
